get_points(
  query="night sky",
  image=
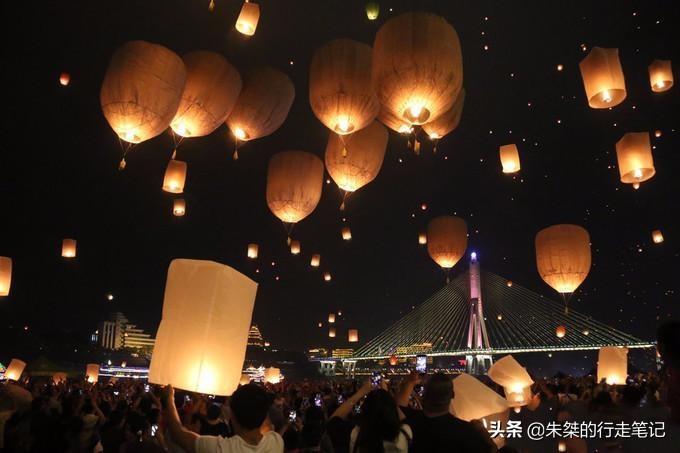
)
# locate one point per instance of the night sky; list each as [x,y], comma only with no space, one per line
[59,172]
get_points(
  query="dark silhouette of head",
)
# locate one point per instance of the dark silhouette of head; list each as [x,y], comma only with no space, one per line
[379,422]
[438,393]
[249,405]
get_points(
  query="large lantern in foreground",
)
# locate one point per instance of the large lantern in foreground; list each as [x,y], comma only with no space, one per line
[448,121]
[263,105]
[175,176]
[15,369]
[603,78]
[563,256]
[417,66]
[353,335]
[340,90]
[660,75]
[634,156]
[446,240]
[475,400]
[202,338]
[514,379]
[92,373]
[294,183]
[509,155]
[5,275]
[142,89]
[209,95]
[356,161]
[395,123]
[68,248]
[612,365]
[248,18]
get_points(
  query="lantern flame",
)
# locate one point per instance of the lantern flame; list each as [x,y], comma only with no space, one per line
[606,97]
[240,134]
[343,125]
[416,113]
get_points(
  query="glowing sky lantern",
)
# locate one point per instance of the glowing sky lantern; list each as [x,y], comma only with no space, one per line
[179,207]
[15,369]
[245,379]
[248,18]
[142,89]
[331,318]
[331,332]
[64,79]
[372,10]
[514,379]
[448,121]
[560,331]
[475,400]
[657,236]
[393,360]
[92,373]
[394,122]
[563,257]
[612,365]
[252,251]
[340,90]
[353,335]
[355,161]
[603,78]
[509,155]
[294,183]
[5,275]
[660,75]
[272,375]
[422,238]
[59,377]
[417,66]
[68,248]
[634,156]
[446,240]
[210,93]
[295,247]
[346,233]
[315,261]
[202,338]
[175,176]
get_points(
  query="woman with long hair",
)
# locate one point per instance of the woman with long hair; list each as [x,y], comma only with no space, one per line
[380,428]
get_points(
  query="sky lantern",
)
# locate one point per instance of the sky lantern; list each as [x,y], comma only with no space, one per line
[315,261]
[175,176]
[417,66]
[563,257]
[514,379]
[92,373]
[64,79]
[202,338]
[248,18]
[295,247]
[245,379]
[394,122]
[142,89]
[262,106]
[210,93]
[179,207]
[422,238]
[603,78]
[509,283]
[612,365]
[446,240]
[68,248]
[272,375]
[15,369]
[560,331]
[331,318]
[331,332]
[340,90]
[475,400]
[660,75]
[294,183]
[327,276]
[59,377]
[372,10]
[5,275]
[393,360]
[353,335]
[252,251]
[346,233]
[448,121]
[657,236]
[634,156]
[509,155]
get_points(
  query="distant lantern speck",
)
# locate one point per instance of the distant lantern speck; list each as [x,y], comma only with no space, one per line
[372,10]
[175,176]
[248,18]
[346,233]
[179,207]
[509,155]
[68,248]
[64,79]
[331,318]
[657,236]
[315,261]
[422,238]
[252,251]
[331,332]
[560,331]
[660,75]
[327,276]
[509,283]
[295,247]
[353,335]
[5,275]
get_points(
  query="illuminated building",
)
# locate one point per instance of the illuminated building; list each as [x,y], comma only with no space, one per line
[255,337]
[118,333]
[342,353]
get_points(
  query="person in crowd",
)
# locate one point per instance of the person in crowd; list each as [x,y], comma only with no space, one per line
[435,429]
[339,426]
[140,436]
[213,424]
[380,427]
[313,436]
[249,406]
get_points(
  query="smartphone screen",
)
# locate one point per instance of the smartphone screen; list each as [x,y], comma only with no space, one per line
[292,415]
[146,388]
[317,400]
[154,428]
[340,399]
[375,380]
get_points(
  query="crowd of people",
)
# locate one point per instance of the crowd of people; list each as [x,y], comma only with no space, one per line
[408,414]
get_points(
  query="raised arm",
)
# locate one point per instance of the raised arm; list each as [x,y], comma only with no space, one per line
[345,408]
[407,388]
[179,434]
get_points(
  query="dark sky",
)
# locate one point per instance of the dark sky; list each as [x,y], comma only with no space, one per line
[59,176]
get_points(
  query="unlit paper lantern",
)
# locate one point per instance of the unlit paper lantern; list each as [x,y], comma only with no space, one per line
[657,236]
[353,335]
[142,90]
[509,155]
[175,176]
[346,233]
[263,105]
[295,247]
[603,78]
[340,90]
[179,207]
[448,121]
[563,256]
[612,365]
[355,161]
[446,240]
[331,332]
[248,18]
[58,378]
[474,400]
[331,318]
[68,248]
[315,261]
[272,375]
[560,331]
[92,373]
[417,66]
[252,251]
[294,183]
[15,369]
[660,75]
[209,95]
[634,156]
[5,275]
[202,338]
[514,379]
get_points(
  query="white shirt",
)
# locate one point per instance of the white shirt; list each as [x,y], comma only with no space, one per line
[398,445]
[271,442]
